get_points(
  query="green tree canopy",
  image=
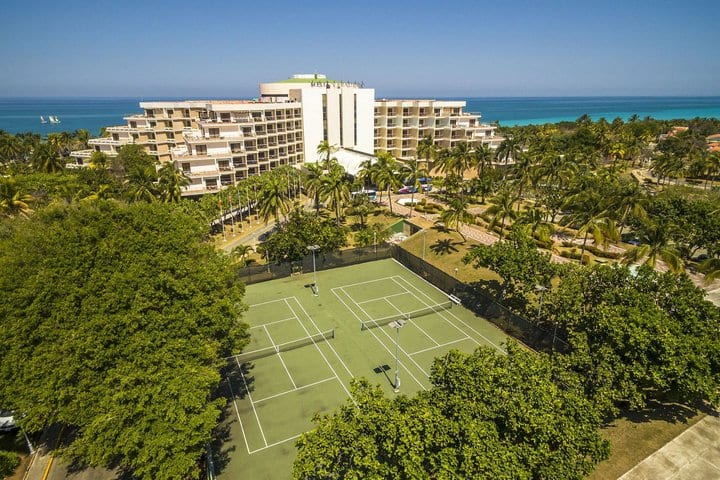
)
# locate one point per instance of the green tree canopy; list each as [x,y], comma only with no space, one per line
[114,319]
[486,416]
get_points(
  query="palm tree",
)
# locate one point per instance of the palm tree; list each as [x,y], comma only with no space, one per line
[483,159]
[385,175]
[602,228]
[242,251]
[631,198]
[711,269]
[502,207]
[324,151]
[140,184]
[655,241]
[509,148]
[712,164]
[10,148]
[535,218]
[171,183]
[13,201]
[274,199]
[313,183]
[46,158]
[412,172]
[457,214]
[521,170]
[335,189]
[426,150]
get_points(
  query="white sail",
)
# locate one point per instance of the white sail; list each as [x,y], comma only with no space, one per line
[42,119]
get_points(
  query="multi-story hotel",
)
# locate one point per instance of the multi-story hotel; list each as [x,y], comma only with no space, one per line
[219,142]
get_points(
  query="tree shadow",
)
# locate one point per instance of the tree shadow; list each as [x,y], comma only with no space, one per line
[238,382]
[444,246]
[670,412]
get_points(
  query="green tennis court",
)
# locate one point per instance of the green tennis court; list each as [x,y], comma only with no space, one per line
[305,349]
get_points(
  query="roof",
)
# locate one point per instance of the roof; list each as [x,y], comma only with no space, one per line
[713,138]
[308,80]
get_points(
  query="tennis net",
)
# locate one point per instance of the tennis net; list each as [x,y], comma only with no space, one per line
[283,347]
[421,312]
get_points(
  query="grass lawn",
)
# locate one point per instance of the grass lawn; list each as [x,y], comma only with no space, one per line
[445,249]
[635,437]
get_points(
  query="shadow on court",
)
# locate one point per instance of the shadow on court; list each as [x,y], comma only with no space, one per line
[384,370]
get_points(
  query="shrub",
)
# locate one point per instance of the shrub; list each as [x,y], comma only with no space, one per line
[9,462]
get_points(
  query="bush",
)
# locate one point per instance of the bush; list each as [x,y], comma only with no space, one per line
[598,252]
[574,255]
[9,462]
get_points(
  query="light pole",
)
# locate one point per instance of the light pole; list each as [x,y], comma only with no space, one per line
[541,290]
[375,241]
[397,325]
[424,232]
[314,248]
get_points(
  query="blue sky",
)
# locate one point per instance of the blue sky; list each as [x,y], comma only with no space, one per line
[181,48]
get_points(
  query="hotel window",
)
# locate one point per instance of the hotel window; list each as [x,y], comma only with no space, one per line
[186,123]
[170,111]
[201,149]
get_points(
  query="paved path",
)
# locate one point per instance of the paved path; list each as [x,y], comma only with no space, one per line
[692,455]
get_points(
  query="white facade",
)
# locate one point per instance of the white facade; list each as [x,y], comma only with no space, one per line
[337,112]
[219,142]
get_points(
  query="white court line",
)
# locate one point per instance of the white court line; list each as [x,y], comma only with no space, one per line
[415,324]
[275,444]
[237,412]
[382,298]
[389,337]
[294,390]
[443,345]
[317,346]
[319,331]
[247,390]
[280,357]
[442,313]
[273,323]
[365,282]
[372,333]
[269,301]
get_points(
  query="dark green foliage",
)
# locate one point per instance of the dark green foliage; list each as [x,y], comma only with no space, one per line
[639,337]
[520,265]
[291,239]
[9,461]
[486,416]
[114,318]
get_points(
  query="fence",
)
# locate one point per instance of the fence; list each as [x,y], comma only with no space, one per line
[482,304]
[323,261]
[475,300]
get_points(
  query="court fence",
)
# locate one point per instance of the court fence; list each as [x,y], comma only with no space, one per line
[323,261]
[479,302]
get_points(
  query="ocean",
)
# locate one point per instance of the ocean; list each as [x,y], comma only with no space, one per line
[23,114]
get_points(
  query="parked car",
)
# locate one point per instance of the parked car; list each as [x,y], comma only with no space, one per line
[7,421]
[407,189]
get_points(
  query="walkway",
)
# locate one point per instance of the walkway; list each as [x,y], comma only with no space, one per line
[692,455]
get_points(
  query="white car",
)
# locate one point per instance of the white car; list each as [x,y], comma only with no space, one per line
[7,421]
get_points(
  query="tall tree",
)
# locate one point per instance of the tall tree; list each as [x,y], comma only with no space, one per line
[456,214]
[502,207]
[13,201]
[655,242]
[336,189]
[412,171]
[313,183]
[386,175]
[427,150]
[325,151]
[171,183]
[46,158]
[274,199]
[134,314]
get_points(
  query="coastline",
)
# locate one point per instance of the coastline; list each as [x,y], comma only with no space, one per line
[22,114]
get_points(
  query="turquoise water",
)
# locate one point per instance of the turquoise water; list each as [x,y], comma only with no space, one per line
[23,114]
[539,110]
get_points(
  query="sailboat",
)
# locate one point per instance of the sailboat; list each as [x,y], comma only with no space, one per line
[42,119]
[54,119]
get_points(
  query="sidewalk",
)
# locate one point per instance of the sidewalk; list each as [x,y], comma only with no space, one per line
[692,455]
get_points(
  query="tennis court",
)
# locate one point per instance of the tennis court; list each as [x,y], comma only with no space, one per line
[306,348]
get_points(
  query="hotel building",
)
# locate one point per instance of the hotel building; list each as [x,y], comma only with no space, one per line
[219,142]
